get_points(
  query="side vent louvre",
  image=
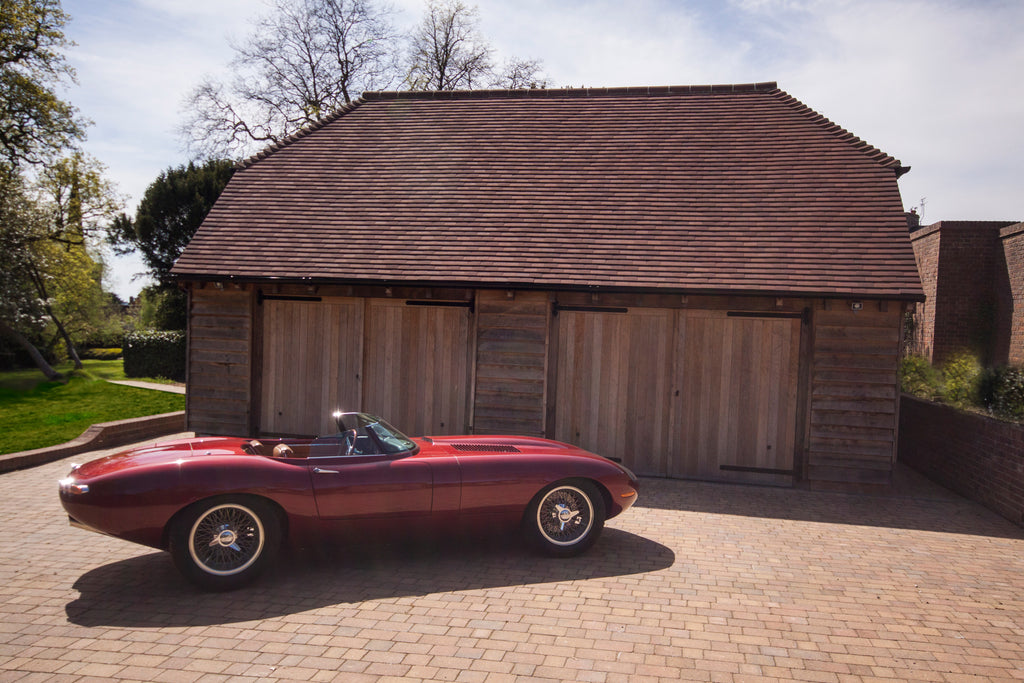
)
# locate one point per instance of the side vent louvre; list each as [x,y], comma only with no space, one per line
[485,448]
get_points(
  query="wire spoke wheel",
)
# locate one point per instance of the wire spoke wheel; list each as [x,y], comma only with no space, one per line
[226,539]
[565,516]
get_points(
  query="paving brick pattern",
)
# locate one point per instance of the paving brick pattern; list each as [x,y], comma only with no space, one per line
[699,582]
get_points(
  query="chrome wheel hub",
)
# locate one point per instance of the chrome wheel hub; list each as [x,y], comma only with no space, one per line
[226,539]
[565,515]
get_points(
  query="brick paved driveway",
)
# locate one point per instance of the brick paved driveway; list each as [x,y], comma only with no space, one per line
[700,581]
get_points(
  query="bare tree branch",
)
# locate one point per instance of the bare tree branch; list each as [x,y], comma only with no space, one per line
[301,62]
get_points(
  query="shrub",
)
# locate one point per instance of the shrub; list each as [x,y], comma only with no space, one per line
[963,374]
[918,377]
[155,354]
[1002,392]
[112,353]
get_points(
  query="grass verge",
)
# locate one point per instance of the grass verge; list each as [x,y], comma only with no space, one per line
[36,413]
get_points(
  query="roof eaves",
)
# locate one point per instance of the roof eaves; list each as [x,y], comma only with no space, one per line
[899,293]
[299,134]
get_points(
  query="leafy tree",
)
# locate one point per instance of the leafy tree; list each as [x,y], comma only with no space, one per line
[303,60]
[34,121]
[171,210]
[448,52]
[21,313]
[49,277]
[162,308]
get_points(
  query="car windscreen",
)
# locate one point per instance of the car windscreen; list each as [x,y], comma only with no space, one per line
[390,439]
[372,436]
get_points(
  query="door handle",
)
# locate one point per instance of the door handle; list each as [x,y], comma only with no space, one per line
[320,471]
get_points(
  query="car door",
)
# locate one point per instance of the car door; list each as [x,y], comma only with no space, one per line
[367,487]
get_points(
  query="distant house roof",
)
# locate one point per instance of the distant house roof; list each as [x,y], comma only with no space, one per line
[737,188]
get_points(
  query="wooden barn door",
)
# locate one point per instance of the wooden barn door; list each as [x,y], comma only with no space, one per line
[312,357]
[416,370]
[613,384]
[736,414]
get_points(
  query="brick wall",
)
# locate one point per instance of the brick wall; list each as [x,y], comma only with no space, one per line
[926,250]
[1012,322]
[966,282]
[975,456]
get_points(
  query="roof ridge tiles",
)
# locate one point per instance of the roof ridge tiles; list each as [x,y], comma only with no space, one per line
[629,91]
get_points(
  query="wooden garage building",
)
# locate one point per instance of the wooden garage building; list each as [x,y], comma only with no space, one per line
[706,282]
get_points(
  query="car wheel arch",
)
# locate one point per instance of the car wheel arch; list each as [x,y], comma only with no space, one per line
[279,512]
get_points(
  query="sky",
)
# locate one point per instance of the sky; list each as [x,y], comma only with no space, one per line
[935,83]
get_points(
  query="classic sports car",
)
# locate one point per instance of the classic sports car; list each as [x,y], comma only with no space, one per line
[223,506]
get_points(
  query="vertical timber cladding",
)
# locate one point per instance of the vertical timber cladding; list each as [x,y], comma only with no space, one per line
[416,365]
[405,362]
[854,400]
[219,374]
[736,417]
[613,384]
[312,359]
[693,394]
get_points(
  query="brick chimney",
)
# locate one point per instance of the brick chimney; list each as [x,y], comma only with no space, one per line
[913,220]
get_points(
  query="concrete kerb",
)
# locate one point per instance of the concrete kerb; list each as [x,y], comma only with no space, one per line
[97,437]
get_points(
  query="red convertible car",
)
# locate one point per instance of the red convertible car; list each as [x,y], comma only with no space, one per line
[224,506]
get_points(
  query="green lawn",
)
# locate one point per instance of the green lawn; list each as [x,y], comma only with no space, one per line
[35,413]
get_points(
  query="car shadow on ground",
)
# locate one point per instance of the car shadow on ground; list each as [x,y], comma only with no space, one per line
[913,503]
[147,591]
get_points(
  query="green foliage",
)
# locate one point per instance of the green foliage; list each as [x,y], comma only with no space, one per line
[963,382]
[34,121]
[37,413]
[162,308]
[963,377]
[1002,391]
[170,212]
[155,354]
[918,377]
[112,353]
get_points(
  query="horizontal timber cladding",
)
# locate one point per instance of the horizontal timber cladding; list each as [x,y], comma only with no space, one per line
[219,361]
[854,399]
[511,363]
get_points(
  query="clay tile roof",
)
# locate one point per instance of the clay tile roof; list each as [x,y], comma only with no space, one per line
[717,188]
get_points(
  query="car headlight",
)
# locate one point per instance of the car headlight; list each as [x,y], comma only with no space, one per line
[70,486]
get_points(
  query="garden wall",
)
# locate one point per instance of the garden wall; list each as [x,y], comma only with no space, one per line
[978,457]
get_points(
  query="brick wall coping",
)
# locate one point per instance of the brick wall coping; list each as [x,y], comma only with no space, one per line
[1011,230]
[99,436]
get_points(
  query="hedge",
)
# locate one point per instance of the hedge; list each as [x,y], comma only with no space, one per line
[155,354]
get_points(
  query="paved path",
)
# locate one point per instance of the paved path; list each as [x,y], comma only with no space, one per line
[699,582]
[155,386]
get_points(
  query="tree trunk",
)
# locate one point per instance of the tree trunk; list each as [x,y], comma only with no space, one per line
[72,351]
[40,285]
[46,368]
